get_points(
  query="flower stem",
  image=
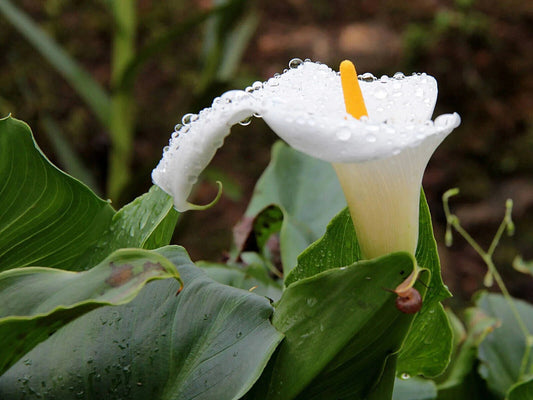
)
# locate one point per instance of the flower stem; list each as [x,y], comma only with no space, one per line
[122,121]
[453,222]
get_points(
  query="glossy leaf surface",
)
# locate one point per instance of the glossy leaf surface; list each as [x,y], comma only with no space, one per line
[35,302]
[47,218]
[209,342]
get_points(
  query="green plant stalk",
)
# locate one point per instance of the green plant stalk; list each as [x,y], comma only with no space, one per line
[486,256]
[122,119]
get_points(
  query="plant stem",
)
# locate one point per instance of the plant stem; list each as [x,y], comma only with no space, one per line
[453,221]
[122,120]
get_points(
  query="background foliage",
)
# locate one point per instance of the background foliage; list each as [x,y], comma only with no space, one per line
[111,77]
[461,42]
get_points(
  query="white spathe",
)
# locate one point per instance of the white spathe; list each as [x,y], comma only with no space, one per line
[380,160]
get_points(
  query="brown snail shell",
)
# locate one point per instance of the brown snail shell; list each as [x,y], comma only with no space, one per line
[409,302]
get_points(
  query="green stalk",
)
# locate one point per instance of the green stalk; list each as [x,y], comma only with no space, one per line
[122,119]
[507,223]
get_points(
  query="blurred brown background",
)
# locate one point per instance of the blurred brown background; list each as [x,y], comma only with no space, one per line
[481,53]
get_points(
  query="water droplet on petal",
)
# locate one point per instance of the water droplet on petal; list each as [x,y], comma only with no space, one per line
[246,121]
[187,119]
[367,77]
[257,85]
[295,63]
[370,138]
[399,75]
[344,134]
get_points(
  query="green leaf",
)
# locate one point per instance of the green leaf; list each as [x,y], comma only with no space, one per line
[307,192]
[340,326]
[337,248]
[461,381]
[253,276]
[414,389]
[428,346]
[35,301]
[88,89]
[502,350]
[147,222]
[521,391]
[47,218]
[479,326]
[209,342]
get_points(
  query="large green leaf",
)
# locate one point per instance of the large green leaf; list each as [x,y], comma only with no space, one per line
[35,301]
[337,248]
[340,326]
[209,342]
[428,346]
[461,380]
[307,192]
[414,389]
[147,222]
[521,391]
[88,89]
[47,218]
[502,350]
[252,275]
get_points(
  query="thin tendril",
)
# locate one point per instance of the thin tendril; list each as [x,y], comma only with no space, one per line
[453,222]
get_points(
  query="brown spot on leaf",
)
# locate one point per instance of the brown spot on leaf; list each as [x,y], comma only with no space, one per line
[150,266]
[120,274]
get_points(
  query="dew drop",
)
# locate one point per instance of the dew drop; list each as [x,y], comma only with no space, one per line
[371,138]
[177,127]
[405,376]
[367,77]
[295,63]
[399,75]
[187,119]
[246,121]
[273,82]
[257,85]
[344,134]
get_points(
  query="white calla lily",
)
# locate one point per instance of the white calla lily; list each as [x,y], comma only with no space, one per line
[379,159]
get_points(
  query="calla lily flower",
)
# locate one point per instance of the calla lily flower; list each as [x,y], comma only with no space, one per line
[379,158]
